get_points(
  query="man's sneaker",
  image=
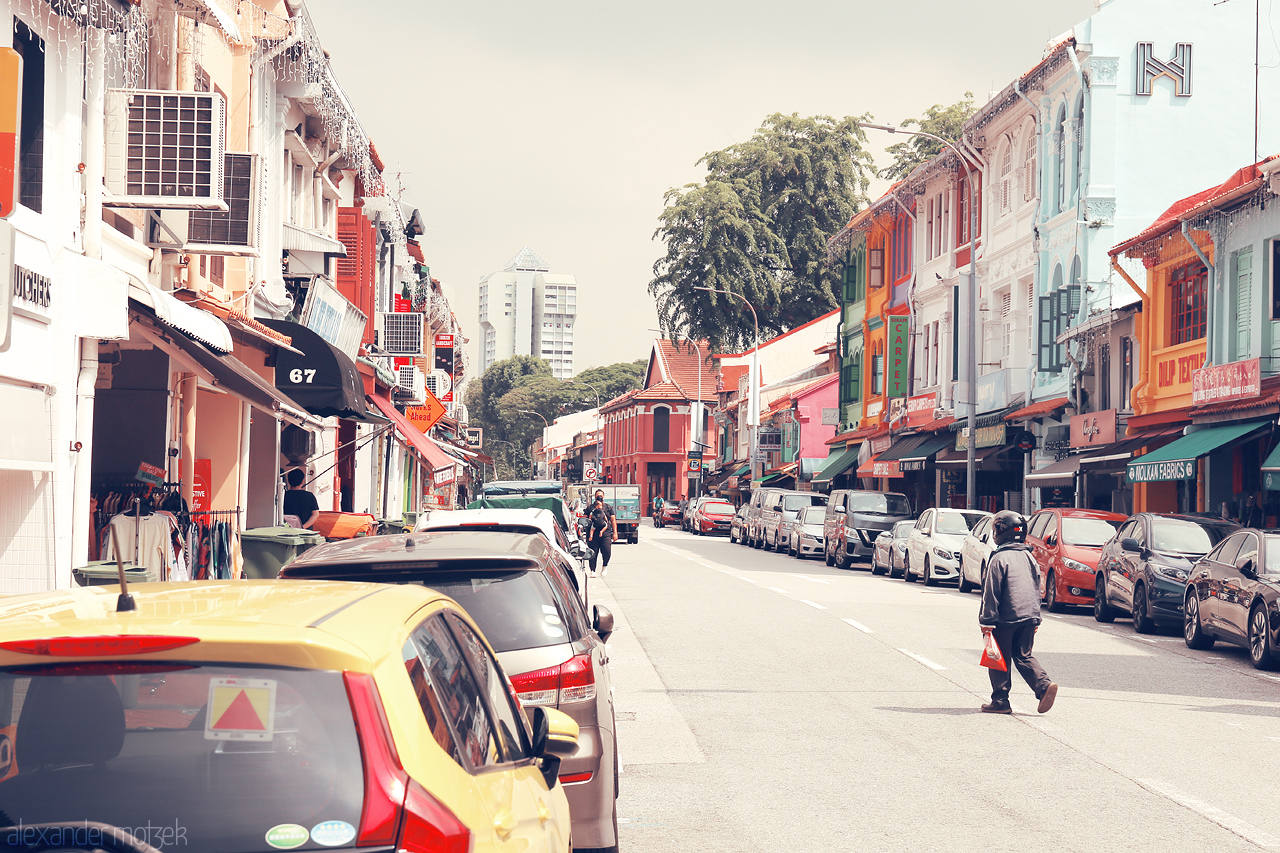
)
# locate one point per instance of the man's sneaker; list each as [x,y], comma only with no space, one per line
[605,570]
[997,708]
[1046,701]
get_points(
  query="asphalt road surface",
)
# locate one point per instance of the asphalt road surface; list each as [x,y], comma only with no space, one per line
[770,704]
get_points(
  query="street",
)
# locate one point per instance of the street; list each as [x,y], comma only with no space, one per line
[766,703]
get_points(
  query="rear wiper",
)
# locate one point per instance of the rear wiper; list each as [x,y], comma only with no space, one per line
[87,835]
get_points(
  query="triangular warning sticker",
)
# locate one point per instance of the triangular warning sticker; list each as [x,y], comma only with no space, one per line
[241,716]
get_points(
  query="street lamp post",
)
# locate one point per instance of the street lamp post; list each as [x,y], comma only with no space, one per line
[971,302]
[599,431]
[532,461]
[753,395]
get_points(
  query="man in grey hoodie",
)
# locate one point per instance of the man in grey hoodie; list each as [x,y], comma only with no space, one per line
[1011,613]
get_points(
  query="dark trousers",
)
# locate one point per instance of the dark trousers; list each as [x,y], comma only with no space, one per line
[601,545]
[1015,642]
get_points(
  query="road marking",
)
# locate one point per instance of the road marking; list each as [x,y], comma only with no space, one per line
[922,659]
[775,589]
[863,628]
[813,580]
[747,579]
[813,604]
[1227,821]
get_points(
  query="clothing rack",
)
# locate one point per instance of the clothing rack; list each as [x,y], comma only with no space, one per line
[204,523]
[219,514]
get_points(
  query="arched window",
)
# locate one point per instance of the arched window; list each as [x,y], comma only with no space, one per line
[1061,166]
[1029,176]
[661,429]
[1075,270]
[1006,176]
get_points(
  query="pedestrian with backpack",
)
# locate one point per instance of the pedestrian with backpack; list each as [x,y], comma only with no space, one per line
[1011,613]
[602,529]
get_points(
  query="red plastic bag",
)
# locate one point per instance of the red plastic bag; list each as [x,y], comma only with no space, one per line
[991,657]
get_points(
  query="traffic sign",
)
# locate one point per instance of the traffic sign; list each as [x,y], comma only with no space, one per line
[424,417]
[591,474]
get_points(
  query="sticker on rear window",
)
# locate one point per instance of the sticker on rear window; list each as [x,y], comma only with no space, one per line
[242,709]
[286,836]
[333,833]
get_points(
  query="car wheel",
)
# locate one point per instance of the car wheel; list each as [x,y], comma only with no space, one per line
[1051,594]
[965,586]
[1192,631]
[929,579]
[1260,651]
[906,571]
[1141,620]
[893,565]
[876,567]
[843,560]
[827,556]
[1102,609]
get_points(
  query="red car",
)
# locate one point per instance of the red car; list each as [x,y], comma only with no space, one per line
[712,517]
[672,513]
[1067,544]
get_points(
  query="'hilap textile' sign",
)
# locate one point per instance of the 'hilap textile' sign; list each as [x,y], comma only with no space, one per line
[920,409]
[897,364]
[1221,383]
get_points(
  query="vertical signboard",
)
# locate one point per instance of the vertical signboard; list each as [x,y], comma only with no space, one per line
[445,363]
[898,365]
[10,103]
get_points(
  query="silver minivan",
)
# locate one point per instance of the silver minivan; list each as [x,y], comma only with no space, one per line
[780,512]
[759,499]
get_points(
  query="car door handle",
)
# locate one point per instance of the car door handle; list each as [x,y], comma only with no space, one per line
[1203,574]
[504,823]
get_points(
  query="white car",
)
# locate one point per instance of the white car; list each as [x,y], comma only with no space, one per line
[530,520]
[933,548]
[804,535]
[974,553]
[890,550]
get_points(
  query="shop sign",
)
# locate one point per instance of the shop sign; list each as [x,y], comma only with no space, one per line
[1025,441]
[881,443]
[32,293]
[1161,472]
[1270,482]
[1174,372]
[913,464]
[1094,429]
[770,438]
[444,476]
[898,362]
[444,363]
[897,409]
[886,469]
[874,409]
[831,417]
[988,436]
[920,409]
[149,474]
[201,489]
[475,437]
[1221,383]
[731,483]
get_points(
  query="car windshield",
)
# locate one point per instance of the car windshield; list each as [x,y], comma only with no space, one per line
[884,504]
[1088,532]
[795,503]
[718,507]
[813,515]
[515,611]
[1186,537]
[206,758]
[903,529]
[957,523]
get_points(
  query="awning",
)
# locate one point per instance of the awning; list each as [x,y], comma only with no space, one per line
[208,12]
[305,240]
[868,468]
[225,372]
[960,458]
[1116,456]
[1060,474]
[176,314]
[913,452]
[837,465]
[1177,460]
[320,376]
[1038,409]
[1272,465]
[434,456]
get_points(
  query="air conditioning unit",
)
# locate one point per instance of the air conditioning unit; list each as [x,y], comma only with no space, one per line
[411,387]
[402,333]
[236,231]
[165,149]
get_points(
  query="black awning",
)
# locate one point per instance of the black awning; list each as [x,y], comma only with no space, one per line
[322,378]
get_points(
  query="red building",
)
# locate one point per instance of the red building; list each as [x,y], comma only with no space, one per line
[647,433]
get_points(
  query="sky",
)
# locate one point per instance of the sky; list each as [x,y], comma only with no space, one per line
[561,124]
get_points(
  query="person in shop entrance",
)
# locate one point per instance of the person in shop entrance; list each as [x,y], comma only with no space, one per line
[1011,613]
[298,502]
[602,529]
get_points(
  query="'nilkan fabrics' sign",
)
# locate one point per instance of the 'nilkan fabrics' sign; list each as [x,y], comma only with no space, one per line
[1161,472]
[1221,383]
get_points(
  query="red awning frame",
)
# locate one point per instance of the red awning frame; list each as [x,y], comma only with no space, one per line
[435,458]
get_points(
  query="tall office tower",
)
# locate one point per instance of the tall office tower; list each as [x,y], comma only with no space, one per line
[525,309]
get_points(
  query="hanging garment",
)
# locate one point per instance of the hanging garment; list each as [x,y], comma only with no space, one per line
[151,533]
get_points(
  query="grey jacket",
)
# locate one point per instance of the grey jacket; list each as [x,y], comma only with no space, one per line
[1011,587]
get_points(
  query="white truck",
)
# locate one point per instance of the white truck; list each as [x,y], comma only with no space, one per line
[625,501]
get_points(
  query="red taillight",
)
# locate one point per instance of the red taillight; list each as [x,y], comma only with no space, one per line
[572,681]
[576,777]
[394,805]
[78,647]
[429,826]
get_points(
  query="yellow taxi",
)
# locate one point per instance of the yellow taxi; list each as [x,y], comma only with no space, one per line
[252,716]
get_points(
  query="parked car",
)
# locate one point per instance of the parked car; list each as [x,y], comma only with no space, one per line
[738,527]
[1066,543]
[1143,569]
[855,517]
[975,551]
[275,698]
[804,534]
[691,510]
[712,517]
[574,551]
[672,514]
[515,586]
[780,512]
[1233,595]
[890,553]
[933,546]
[755,521]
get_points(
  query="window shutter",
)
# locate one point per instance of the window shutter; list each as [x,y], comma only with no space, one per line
[1006,305]
[1244,302]
[355,272]
[1048,350]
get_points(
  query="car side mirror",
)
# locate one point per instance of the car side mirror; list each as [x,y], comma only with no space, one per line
[1248,569]
[1051,540]
[577,549]
[555,735]
[602,622]
[1131,545]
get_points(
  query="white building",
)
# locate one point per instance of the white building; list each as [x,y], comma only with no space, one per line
[527,310]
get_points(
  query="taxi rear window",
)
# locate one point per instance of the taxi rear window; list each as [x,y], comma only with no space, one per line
[516,610]
[200,757]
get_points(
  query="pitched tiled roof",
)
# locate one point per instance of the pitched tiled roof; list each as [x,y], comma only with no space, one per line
[680,364]
[415,251]
[936,426]
[1036,410]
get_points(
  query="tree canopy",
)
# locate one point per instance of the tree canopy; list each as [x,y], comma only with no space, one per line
[938,120]
[758,226]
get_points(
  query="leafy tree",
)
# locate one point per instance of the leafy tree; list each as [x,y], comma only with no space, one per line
[613,380]
[500,378]
[758,226]
[938,120]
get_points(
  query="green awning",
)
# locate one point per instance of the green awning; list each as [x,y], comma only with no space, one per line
[837,465]
[773,478]
[1271,471]
[745,469]
[1177,460]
